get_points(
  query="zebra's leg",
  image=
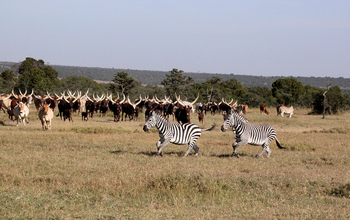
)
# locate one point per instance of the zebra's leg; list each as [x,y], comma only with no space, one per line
[268,150]
[196,149]
[161,144]
[190,147]
[265,148]
[235,147]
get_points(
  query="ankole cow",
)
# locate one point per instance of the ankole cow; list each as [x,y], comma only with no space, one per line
[21,111]
[45,116]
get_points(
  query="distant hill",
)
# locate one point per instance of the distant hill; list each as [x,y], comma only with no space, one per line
[155,77]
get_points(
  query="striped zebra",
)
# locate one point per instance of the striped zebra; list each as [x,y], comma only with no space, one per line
[246,133]
[174,133]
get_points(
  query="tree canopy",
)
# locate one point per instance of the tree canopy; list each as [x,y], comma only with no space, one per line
[174,81]
[287,91]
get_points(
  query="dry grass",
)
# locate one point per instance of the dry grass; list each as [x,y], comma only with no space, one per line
[105,170]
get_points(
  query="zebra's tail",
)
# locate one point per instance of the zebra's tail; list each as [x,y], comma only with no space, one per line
[209,129]
[279,145]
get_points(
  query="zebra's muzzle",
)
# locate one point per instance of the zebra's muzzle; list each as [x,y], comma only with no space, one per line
[223,128]
[145,128]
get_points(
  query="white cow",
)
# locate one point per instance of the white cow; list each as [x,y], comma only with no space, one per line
[286,109]
[45,115]
[21,112]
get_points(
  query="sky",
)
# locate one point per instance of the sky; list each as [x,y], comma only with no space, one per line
[261,38]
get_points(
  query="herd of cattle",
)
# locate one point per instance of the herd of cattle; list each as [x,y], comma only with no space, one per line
[17,105]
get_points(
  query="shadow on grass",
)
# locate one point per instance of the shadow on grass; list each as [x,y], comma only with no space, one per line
[117,152]
[228,155]
[153,154]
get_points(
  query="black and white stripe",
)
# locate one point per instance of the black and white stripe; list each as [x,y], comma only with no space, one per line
[246,133]
[174,133]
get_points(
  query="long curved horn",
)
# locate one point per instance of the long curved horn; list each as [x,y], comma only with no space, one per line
[138,102]
[14,94]
[179,101]
[192,103]
[123,99]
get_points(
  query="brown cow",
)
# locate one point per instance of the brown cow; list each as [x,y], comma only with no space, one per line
[263,109]
[45,116]
[278,108]
[182,113]
[200,116]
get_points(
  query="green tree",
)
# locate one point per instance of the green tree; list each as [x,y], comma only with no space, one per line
[335,101]
[307,99]
[123,83]
[259,95]
[287,91]
[174,81]
[7,81]
[36,75]
[231,89]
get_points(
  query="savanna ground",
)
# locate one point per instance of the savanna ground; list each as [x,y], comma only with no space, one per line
[105,170]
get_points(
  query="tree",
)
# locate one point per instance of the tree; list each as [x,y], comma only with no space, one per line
[36,75]
[259,95]
[7,81]
[287,91]
[231,89]
[307,99]
[334,101]
[123,83]
[175,80]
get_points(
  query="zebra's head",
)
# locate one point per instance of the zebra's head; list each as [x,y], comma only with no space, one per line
[231,119]
[151,121]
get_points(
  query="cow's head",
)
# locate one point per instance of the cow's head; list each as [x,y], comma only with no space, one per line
[22,109]
[45,107]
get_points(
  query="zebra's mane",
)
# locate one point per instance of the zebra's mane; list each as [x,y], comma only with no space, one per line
[155,112]
[238,116]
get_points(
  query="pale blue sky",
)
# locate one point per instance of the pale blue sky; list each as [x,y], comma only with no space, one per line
[265,38]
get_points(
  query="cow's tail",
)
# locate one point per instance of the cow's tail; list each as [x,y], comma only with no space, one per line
[209,129]
[279,145]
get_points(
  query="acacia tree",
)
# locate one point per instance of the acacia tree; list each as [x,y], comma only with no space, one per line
[287,91]
[123,83]
[175,80]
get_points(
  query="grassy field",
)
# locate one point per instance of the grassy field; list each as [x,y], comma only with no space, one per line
[105,170]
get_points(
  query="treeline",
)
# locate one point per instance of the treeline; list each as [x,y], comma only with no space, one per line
[151,77]
[34,74]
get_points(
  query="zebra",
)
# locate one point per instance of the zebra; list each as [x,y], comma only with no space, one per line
[246,133]
[175,133]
